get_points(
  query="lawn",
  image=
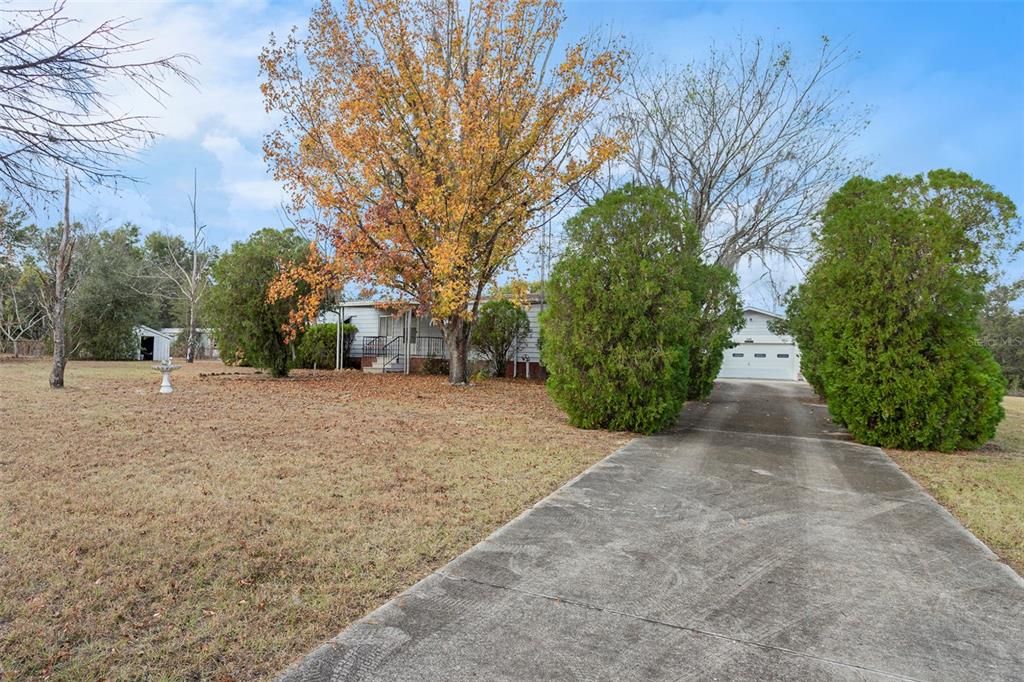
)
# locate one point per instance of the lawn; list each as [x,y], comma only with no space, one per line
[985,488]
[222,531]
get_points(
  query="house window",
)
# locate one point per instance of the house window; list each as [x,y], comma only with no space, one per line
[783,355]
[760,355]
[737,355]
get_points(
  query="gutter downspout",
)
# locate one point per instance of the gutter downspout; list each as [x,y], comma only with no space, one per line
[337,341]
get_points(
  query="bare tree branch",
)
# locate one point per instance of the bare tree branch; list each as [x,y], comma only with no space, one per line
[186,266]
[56,94]
[753,142]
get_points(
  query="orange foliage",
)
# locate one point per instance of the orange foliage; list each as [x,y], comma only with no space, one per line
[431,136]
[321,277]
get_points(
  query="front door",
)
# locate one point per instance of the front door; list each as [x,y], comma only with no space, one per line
[389,326]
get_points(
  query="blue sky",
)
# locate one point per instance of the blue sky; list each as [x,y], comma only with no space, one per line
[944,81]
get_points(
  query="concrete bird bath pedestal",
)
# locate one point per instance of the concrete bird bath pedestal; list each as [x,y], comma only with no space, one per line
[166,368]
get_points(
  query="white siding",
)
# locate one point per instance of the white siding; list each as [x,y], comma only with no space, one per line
[530,350]
[364,317]
[207,347]
[161,343]
[755,327]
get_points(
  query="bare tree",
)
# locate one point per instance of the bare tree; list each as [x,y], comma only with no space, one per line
[57,117]
[61,269]
[56,87]
[20,315]
[188,270]
[752,141]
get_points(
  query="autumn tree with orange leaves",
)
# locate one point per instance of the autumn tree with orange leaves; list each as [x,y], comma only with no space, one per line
[432,136]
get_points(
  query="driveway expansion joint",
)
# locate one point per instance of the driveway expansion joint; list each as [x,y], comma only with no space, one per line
[813,439]
[675,626]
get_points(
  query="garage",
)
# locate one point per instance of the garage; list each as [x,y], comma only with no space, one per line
[760,354]
[760,361]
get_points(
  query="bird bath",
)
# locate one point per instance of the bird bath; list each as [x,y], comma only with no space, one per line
[166,368]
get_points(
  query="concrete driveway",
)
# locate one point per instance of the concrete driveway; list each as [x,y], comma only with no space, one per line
[751,542]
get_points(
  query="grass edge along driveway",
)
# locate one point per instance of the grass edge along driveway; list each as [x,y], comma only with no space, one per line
[984,489]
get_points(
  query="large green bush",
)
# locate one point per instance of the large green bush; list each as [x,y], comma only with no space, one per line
[247,327]
[718,314]
[887,318]
[500,328]
[619,315]
[318,346]
[798,325]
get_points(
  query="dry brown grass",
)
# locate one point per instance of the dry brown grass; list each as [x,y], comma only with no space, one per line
[223,530]
[985,488]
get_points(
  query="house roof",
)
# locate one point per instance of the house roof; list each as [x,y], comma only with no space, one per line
[769,313]
[386,303]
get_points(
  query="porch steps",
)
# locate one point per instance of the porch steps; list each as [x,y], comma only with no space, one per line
[378,366]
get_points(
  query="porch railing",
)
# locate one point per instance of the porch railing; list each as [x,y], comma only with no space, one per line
[391,347]
[387,347]
[392,351]
[373,345]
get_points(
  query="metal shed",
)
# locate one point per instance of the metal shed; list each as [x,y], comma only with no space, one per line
[153,344]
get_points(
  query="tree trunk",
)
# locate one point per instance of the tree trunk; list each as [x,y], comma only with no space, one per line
[190,347]
[456,336]
[193,283]
[62,266]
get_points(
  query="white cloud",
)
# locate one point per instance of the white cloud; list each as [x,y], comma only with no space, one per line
[261,194]
[225,38]
[243,174]
[223,114]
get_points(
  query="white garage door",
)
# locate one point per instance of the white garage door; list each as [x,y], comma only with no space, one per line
[760,361]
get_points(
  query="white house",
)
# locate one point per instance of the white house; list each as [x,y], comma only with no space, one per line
[390,340]
[400,341]
[759,353]
[207,347]
[154,344]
